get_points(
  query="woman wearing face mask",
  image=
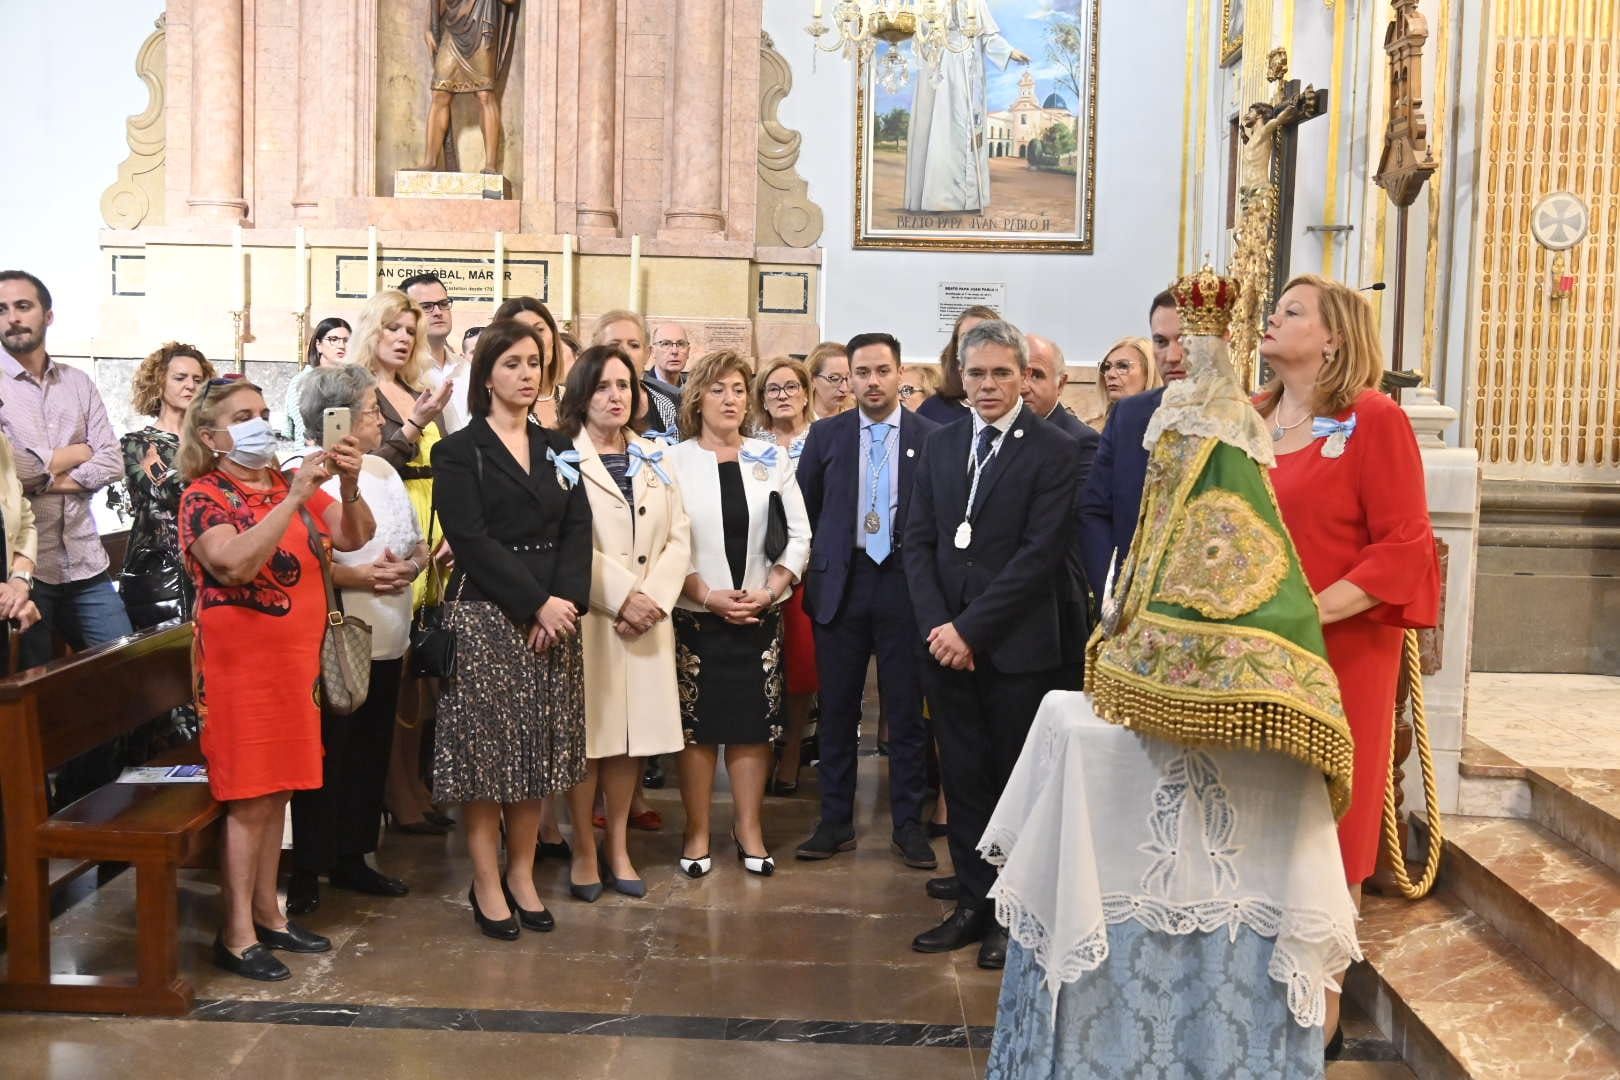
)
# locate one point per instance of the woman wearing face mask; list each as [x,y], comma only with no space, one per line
[335,827]
[249,536]
[153,582]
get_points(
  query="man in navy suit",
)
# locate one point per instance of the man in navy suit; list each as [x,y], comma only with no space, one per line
[987,554]
[856,472]
[1113,492]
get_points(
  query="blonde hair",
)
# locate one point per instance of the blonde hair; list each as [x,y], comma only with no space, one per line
[761,416]
[709,369]
[1150,367]
[1357,363]
[823,352]
[926,377]
[195,458]
[147,386]
[608,318]
[379,311]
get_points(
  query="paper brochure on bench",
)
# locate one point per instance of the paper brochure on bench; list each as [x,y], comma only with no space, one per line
[165,774]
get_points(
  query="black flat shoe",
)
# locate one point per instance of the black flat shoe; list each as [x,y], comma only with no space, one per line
[993,947]
[292,938]
[256,962]
[964,927]
[1335,1047]
[303,893]
[653,776]
[362,878]
[828,840]
[420,828]
[782,789]
[909,842]
[937,829]
[539,921]
[444,821]
[500,929]
[560,850]
[944,888]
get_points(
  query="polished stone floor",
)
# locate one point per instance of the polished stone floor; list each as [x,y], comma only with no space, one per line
[808,973]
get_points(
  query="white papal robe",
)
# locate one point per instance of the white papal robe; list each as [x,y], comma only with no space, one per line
[947,150]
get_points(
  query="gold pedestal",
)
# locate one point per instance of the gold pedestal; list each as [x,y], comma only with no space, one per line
[420,184]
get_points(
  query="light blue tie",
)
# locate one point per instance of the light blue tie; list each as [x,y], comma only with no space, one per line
[878,543]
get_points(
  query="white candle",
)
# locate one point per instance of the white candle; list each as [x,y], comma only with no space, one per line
[371,260]
[238,271]
[635,274]
[300,271]
[500,268]
[566,304]
[816,14]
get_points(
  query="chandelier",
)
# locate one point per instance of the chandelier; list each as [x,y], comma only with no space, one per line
[934,27]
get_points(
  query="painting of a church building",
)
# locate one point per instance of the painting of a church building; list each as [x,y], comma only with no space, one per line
[1011,131]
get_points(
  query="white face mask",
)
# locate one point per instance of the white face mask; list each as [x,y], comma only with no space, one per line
[253,443]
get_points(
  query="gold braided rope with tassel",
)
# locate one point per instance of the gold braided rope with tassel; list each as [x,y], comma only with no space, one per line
[1431,797]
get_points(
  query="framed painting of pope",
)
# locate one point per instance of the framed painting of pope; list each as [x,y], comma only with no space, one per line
[988,144]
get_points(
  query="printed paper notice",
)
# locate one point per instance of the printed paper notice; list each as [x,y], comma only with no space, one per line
[165,774]
[956,297]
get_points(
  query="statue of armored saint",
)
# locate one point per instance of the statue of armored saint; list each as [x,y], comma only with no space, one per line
[471,43]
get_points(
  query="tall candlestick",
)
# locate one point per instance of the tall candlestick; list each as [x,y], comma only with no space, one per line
[567,299]
[238,271]
[371,260]
[499,291]
[300,271]
[635,274]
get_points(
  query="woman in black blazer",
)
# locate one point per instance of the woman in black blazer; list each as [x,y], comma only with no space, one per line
[512,718]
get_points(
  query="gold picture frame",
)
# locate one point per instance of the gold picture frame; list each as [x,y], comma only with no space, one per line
[1231,30]
[1071,229]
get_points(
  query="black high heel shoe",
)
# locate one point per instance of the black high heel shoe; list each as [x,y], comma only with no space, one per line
[539,921]
[415,828]
[1335,1047]
[500,929]
[763,865]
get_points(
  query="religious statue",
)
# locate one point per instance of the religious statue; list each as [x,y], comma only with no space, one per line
[471,43]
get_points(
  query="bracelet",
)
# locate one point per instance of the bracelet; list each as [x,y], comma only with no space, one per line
[706,596]
[352,498]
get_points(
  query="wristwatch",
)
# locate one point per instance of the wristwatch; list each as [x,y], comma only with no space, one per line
[23,576]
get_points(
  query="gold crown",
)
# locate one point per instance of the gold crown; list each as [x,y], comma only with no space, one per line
[1204,301]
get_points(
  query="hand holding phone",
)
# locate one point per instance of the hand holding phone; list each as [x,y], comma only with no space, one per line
[334,426]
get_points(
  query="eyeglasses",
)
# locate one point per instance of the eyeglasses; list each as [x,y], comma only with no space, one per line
[907,391]
[835,380]
[662,344]
[336,339]
[431,306]
[1124,367]
[784,390]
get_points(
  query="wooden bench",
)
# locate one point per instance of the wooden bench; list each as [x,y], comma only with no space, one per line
[48,716]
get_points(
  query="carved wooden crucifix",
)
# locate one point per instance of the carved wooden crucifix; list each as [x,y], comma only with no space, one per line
[1299,104]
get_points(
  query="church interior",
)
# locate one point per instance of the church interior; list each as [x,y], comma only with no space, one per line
[770,174]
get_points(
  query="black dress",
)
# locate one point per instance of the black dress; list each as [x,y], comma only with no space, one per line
[730,677]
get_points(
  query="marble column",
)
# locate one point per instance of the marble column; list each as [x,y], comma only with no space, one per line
[216,111]
[698,164]
[598,105]
[313,127]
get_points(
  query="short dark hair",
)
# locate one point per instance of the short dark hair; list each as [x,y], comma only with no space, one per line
[860,341]
[581,386]
[312,356]
[40,290]
[471,331]
[423,279]
[497,337]
[550,364]
[1164,299]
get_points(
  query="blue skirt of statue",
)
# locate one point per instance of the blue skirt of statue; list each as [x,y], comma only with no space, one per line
[1163,1006]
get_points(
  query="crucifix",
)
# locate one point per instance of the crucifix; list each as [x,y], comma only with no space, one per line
[1407,162]
[1270,136]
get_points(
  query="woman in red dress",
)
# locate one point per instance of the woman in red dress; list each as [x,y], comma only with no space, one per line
[1349,481]
[261,611]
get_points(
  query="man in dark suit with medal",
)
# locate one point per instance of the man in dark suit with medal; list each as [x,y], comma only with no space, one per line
[987,549]
[856,472]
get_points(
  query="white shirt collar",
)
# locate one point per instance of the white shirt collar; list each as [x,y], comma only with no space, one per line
[1002,425]
[893,419]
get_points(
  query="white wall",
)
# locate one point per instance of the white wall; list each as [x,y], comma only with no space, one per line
[1084,302]
[69,77]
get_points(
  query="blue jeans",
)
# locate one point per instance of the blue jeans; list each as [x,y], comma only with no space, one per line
[86,613]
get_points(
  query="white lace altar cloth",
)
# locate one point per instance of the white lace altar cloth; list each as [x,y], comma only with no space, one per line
[1100,825]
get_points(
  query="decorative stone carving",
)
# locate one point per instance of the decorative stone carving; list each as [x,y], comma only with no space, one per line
[785,216]
[137,196]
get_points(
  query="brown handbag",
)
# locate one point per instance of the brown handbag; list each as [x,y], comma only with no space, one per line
[346,644]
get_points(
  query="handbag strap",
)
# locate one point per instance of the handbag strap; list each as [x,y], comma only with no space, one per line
[334,614]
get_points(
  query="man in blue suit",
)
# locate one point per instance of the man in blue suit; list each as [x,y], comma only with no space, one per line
[856,472]
[1113,492]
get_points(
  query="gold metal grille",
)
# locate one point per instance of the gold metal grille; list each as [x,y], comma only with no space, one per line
[1546,376]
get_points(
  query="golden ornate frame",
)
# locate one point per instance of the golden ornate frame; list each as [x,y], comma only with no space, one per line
[895,240]
[1231,44]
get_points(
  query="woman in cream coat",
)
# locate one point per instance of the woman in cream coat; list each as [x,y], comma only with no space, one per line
[22,543]
[642,554]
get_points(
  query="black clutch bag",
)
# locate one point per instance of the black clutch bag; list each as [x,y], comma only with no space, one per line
[776,527]
[433,643]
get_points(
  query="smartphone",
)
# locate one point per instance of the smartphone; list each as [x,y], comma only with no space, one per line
[334,426]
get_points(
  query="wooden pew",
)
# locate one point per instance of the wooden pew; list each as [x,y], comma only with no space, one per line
[49,715]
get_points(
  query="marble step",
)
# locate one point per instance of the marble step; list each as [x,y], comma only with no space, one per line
[1582,806]
[1556,904]
[1458,1000]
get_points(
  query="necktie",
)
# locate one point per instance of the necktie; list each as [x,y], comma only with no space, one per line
[877,458]
[981,452]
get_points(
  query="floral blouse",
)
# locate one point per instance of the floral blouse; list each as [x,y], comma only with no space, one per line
[154,489]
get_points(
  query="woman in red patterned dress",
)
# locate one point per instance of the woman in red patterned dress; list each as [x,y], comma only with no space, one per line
[260,597]
[1349,481]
